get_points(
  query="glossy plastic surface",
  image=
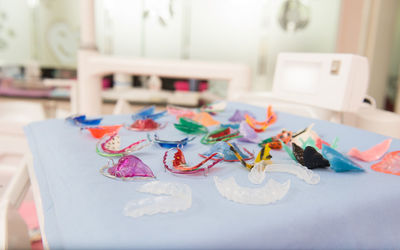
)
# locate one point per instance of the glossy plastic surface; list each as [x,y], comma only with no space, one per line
[179,165]
[82,121]
[275,142]
[372,154]
[111,147]
[172,197]
[226,152]
[247,133]
[128,167]
[146,125]
[144,113]
[257,173]
[310,142]
[169,144]
[262,155]
[230,125]
[148,113]
[269,193]
[288,151]
[338,161]
[221,134]
[180,112]
[261,126]
[298,153]
[100,131]
[304,134]
[239,115]
[205,119]
[319,142]
[390,164]
[313,159]
[189,126]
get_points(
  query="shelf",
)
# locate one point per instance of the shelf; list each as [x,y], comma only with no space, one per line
[141,95]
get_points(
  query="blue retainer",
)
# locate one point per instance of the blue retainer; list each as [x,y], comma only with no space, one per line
[223,148]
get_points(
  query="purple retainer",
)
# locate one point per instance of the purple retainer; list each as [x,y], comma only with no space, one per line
[129,167]
[239,115]
[249,135]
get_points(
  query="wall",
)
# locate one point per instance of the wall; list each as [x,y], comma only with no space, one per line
[215,30]
[395,58]
[15,32]
[212,30]
[57,29]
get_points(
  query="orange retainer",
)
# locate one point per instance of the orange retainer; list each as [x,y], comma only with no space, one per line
[205,119]
[261,126]
[99,131]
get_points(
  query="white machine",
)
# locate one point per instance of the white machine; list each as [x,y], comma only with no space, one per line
[335,82]
[326,86]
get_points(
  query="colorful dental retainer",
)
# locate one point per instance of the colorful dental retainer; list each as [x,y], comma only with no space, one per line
[226,153]
[127,168]
[205,119]
[144,120]
[247,133]
[100,131]
[258,172]
[82,121]
[179,112]
[261,126]
[230,125]
[263,155]
[111,147]
[311,138]
[307,154]
[275,142]
[221,134]
[338,161]
[180,166]
[309,157]
[239,115]
[148,113]
[170,144]
[390,164]
[272,191]
[303,135]
[189,126]
[145,125]
[166,197]
[372,154]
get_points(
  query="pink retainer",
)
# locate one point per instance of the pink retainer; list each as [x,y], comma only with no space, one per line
[390,164]
[373,153]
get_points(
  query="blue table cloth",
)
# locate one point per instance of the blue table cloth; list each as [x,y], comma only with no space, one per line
[84,209]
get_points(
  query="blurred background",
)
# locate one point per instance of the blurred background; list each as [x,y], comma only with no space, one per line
[39,39]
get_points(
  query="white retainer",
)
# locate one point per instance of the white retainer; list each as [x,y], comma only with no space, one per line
[176,197]
[269,193]
[257,173]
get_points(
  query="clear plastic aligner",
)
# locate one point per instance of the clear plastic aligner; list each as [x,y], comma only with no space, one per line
[271,192]
[257,173]
[176,197]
